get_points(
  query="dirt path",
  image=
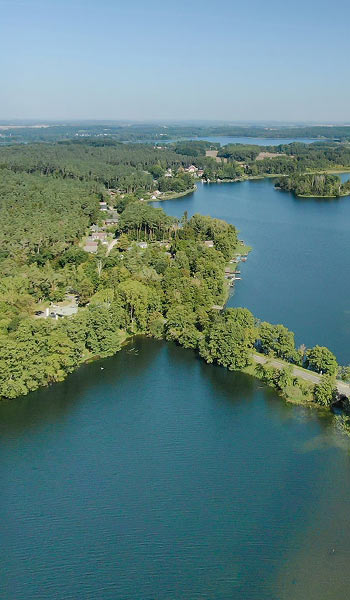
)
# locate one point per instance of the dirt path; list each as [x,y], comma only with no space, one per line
[111,245]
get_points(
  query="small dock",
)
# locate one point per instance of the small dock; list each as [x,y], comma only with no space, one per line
[232,273]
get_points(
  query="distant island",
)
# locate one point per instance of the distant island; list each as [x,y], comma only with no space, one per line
[317,185]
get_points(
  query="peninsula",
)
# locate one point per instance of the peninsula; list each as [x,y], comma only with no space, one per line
[66,298]
[317,185]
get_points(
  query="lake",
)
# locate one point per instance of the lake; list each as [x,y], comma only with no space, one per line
[297,273]
[227,139]
[161,477]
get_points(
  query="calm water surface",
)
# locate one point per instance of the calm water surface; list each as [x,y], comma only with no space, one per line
[163,478]
[223,140]
[298,271]
[228,139]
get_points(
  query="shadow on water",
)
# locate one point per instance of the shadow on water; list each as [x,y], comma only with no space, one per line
[55,403]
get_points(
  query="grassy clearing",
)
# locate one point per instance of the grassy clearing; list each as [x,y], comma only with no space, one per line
[242,248]
[174,195]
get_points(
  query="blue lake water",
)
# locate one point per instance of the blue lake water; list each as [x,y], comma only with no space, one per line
[298,271]
[163,478]
[224,140]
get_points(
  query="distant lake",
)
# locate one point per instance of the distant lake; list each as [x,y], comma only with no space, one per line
[297,273]
[224,140]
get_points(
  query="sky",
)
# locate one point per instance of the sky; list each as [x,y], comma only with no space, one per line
[181,60]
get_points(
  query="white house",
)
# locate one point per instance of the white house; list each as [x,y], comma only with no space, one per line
[191,169]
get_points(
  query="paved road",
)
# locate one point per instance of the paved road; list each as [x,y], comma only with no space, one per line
[343,388]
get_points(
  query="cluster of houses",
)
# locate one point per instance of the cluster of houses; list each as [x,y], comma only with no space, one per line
[98,234]
[192,170]
[69,306]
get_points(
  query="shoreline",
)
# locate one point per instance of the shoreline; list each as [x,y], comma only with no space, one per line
[293,395]
[314,196]
[175,195]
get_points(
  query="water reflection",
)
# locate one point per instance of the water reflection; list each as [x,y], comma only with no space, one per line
[161,476]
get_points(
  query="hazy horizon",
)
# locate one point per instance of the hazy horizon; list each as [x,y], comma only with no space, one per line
[82,60]
[31,122]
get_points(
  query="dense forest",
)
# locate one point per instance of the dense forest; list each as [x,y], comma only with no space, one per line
[126,167]
[286,159]
[164,277]
[141,168]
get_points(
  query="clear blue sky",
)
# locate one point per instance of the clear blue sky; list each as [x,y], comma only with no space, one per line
[152,59]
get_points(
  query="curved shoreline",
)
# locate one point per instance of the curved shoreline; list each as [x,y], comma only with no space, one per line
[176,195]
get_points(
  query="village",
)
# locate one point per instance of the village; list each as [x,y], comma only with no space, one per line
[103,233]
[104,236]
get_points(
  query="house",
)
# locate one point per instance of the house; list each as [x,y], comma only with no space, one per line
[191,169]
[209,243]
[200,172]
[99,236]
[112,221]
[103,206]
[142,245]
[91,246]
[58,312]
[155,194]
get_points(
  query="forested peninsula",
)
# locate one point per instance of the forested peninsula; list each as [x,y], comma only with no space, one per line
[86,263]
[314,186]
